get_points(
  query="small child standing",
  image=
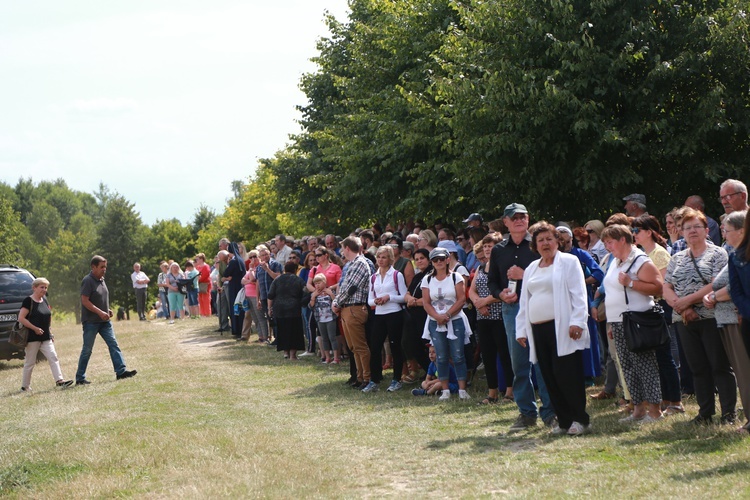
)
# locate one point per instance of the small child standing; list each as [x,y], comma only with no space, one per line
[321,301]
[431,383]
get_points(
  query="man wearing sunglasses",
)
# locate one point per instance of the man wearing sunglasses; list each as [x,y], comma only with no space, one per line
[508,261]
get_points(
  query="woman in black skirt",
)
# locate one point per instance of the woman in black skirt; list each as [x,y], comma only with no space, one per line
[285,299]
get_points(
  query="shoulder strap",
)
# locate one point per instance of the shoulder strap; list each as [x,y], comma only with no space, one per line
[695,265]
[395,280]
[627,302]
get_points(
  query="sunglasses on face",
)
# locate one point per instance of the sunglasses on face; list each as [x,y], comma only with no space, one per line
[438,259]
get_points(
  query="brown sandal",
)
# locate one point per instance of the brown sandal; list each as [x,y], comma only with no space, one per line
[602,395]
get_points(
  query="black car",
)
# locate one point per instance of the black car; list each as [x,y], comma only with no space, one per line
[15,285]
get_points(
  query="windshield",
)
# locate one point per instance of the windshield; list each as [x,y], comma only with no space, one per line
[14,286]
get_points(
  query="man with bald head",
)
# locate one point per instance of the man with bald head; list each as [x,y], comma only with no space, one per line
[714,231]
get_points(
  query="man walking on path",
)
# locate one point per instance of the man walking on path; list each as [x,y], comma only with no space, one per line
[96,317]
[140,285]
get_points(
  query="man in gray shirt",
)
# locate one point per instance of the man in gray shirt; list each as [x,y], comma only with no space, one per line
[96,318]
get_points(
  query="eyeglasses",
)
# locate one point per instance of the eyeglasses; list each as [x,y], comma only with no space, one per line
[438,259]
[590,231]
[695,226]
[727,197]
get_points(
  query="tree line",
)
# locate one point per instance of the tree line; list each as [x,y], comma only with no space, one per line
[53,231]
[438,108]
[433,109]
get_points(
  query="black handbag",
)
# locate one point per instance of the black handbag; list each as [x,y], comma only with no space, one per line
[19,334]
[644,330]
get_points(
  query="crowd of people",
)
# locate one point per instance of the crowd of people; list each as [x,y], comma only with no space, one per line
[541,306]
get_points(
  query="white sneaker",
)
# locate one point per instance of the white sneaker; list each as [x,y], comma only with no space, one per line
[395,386]
[371,387]
[445,396]
[556,430]
[462,394]
[171,322]
[305,354]
[577,429]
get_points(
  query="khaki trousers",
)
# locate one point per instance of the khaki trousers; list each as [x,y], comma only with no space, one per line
[353,321]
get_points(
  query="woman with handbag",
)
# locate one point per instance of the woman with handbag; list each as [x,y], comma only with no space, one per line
[689,278]
[204,285]
[647,235]
[36,316]
[631,282]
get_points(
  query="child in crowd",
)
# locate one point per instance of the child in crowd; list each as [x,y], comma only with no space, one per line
[192,292]
[431,383]
[320,302]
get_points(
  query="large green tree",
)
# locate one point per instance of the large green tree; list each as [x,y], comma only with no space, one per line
[120,239]
[569,105]
[373,140]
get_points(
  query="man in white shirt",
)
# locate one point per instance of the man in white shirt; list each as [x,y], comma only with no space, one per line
[282,250]
[140,284]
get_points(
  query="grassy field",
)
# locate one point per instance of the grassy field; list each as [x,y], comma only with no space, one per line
[207,417]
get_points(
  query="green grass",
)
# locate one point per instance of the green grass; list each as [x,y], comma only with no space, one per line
[207,417]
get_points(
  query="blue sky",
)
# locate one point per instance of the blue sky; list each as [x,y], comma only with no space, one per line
[166,102]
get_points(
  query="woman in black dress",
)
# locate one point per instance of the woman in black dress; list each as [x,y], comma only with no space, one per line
[285,299]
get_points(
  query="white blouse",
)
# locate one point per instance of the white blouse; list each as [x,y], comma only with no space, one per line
[393,285]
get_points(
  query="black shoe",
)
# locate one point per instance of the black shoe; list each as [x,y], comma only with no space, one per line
[358,385]
[701,420]
[351,380]
[64,383]
[273,343]
[83,382]
[127,374]
[728,419]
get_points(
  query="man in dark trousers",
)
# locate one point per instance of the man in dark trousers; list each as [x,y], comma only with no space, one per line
[96,317]
[508,260]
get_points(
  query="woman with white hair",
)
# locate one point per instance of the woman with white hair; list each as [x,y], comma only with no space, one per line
[36,315]
[596,248]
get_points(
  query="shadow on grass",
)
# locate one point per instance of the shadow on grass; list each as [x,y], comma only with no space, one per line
[481,444]
[722,470]
[11,365]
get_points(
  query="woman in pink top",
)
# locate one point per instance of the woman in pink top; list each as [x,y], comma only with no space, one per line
[331,271]
[251,302]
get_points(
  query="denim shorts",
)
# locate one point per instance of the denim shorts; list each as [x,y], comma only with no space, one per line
[192,296]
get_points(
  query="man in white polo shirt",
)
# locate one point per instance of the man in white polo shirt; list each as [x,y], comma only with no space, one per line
[140,284]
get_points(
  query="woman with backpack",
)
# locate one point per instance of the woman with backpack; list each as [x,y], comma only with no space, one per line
[387,295]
